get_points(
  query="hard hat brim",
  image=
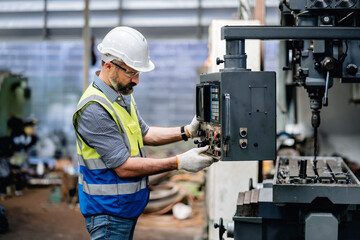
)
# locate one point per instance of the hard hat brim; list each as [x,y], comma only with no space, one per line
[148,68]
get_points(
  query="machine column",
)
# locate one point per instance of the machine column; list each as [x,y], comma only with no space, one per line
[235,57]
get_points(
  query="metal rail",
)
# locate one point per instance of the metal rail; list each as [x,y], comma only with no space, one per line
[278,32]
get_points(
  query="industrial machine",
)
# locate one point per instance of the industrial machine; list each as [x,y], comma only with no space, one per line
[236,108]
[14,99]
[310,197]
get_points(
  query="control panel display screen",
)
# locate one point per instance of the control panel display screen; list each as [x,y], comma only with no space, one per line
[208,102]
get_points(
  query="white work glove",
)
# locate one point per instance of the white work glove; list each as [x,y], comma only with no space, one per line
[193,127]
[192,161]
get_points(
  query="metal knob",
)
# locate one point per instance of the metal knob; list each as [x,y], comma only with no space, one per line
[351,69]
[218,61]
[328,64]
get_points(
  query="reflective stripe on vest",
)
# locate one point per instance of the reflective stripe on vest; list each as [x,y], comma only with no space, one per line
[112,189]
[100,189]
[96,163]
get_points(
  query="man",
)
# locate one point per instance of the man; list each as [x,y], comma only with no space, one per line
[113,183]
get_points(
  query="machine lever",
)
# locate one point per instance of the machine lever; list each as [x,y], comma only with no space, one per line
[251,187]
[221,227]
[325,102]
[286,68]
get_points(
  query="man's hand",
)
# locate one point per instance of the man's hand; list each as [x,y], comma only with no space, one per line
[193,127]
[192,161]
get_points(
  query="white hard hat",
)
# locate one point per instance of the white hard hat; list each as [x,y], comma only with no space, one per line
[128,45]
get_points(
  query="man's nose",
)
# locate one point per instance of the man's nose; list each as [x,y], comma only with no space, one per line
[135,79]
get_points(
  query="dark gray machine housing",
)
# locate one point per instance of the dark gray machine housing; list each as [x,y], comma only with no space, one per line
[295,206]
[312,197]
[246,127]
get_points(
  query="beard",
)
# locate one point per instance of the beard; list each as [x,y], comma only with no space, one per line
[119,87]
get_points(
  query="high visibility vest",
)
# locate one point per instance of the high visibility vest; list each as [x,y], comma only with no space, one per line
[101,190]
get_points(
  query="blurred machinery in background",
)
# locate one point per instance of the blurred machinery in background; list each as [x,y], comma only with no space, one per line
[17,133]
[14,105]
[14,99]
[310,197]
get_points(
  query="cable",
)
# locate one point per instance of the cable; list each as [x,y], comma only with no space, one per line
[345,17]
[297,15]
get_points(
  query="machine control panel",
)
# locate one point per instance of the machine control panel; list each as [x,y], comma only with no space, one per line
[210,134]
[236,111]
[208,111]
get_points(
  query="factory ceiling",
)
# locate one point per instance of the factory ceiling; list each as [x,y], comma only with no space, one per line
[65,19]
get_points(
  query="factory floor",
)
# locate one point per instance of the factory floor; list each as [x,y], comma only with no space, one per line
[32,217]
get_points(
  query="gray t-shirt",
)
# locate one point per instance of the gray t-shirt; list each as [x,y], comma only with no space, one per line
[100,131]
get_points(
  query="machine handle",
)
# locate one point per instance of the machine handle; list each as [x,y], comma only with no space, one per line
[325,102]
[218,61]
[221,227]
[226,121]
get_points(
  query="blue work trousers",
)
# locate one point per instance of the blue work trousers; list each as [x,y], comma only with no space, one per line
[110,227]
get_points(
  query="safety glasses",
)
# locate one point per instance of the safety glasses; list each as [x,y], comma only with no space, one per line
[128,73]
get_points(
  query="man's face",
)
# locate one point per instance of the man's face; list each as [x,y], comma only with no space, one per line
[121,80]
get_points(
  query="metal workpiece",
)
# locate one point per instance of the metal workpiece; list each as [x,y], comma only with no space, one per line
[331,179]
[299,204]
